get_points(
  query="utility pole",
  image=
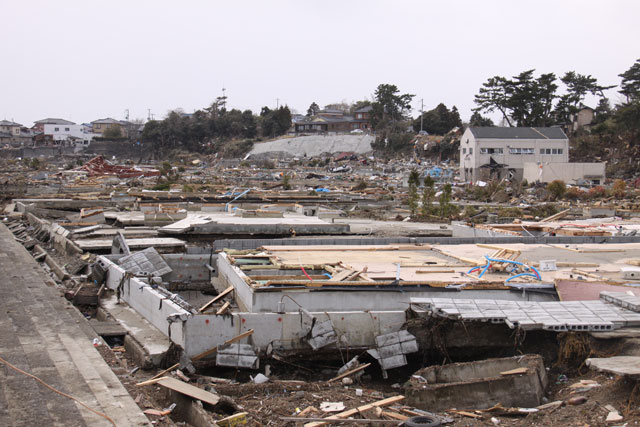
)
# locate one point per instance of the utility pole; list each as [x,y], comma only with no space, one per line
[277,103]
[421,113]
[148,113]
[126,114]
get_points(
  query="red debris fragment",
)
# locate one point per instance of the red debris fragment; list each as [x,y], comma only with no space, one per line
[98,166]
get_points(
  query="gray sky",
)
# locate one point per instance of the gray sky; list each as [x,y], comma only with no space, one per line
[85,60]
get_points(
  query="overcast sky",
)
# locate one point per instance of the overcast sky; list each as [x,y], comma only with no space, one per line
[85,60]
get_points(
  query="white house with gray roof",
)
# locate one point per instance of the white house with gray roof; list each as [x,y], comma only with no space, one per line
[495,152]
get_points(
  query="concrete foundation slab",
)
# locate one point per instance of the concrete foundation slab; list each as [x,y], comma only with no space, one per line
[479,385]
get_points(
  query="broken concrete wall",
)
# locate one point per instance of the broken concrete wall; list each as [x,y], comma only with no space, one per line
[185,267]
[57,235]
[236,278]
[479,385]
[148,302]
[288,331]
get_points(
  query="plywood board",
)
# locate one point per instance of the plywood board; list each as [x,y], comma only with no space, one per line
[189,390]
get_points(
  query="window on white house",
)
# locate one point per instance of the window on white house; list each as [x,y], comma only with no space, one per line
[470,150]
[519,150]
[66,129]
[491,151]
[56,129]
[464,151]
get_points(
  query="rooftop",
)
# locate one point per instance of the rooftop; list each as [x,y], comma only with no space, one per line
[106,121]
[53,121]
[495,132]
[9,123]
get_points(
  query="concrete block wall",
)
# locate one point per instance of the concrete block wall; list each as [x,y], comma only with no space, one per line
[285,331]
[148,302]
[233,276]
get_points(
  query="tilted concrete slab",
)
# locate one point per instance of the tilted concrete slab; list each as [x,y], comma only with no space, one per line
[553,316]
[619,365]
[153,344]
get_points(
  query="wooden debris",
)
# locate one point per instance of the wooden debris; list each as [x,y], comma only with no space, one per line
[189,390]
[152,380]
[233,420]
[157,412]
[350,412]
[350,372]
[395,415]
[466,414]
[554,217]
[516,371]
[182,376]
[217,298]
[224,308]
[307,410]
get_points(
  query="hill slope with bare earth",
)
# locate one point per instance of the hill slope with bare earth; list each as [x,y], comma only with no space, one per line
[314,145]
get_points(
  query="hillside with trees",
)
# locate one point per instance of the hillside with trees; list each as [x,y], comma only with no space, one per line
[214,129]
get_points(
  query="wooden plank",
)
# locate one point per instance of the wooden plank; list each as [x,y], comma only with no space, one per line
[516,371]
[466,414]
[352,371]
[341,275]
[233,420]
[434,271]
[346,414]
[395,415]
[189,390]
[157,412]
[224,308]
[559,215]
[217,298]
[152,380]
[498,248]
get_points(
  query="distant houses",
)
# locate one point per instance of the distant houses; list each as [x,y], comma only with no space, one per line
[332,121]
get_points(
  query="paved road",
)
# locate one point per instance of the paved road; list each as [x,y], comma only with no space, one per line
[41,333]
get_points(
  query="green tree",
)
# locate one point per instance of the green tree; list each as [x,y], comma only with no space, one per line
[439,121]
[627,115]
[494,96]
[630,85]
[557,189]
[478,120]
[428,193]
[358,105]
[313,109]
[112,132]
[414,178]
[413,198]
[286,182]
[578,86]
[523,100]
[275,122]
[445,201]
[390,107]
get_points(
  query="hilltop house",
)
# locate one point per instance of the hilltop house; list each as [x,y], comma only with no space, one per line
[331,121]
[100,126]
[39,124]
[9,128]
